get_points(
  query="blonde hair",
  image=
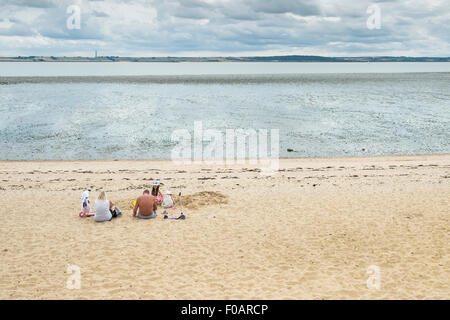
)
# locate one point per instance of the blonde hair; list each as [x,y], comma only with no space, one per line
[102,195]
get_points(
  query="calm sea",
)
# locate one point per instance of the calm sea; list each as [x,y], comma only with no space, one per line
[130,110]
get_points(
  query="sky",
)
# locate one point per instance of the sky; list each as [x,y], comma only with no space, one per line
[225,27]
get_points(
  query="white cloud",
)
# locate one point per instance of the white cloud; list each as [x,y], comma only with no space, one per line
[225,27]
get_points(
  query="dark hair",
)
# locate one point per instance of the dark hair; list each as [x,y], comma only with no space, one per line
[155,191]
[146,191]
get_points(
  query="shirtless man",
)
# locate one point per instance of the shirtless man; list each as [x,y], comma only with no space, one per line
[146,205]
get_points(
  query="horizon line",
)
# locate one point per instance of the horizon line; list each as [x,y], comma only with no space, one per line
[227,56]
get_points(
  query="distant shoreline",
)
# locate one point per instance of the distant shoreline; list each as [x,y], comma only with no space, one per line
[206,78]
[291,58]
[348,158]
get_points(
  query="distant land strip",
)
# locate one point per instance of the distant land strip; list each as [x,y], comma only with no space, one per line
[290,58]
[226,78]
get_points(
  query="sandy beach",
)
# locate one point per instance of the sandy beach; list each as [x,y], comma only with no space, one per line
[308,232]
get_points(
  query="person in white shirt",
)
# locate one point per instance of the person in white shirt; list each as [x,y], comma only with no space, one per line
[104,208]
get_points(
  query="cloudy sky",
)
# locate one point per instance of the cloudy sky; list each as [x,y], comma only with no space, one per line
[224,27]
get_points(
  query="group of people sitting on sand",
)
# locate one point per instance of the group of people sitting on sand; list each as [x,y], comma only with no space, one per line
[145,205]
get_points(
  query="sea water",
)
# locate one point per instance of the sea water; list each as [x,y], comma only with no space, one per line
[130,110]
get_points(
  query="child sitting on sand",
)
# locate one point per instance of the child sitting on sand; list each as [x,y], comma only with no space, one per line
[85,205]
[156,193]
[168,200]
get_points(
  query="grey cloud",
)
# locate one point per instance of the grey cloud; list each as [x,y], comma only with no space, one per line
[30,3]
[224,26]
[100,14]
[300,7]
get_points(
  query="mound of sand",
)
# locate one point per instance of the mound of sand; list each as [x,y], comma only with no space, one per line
[202,199]
[190,201]
[125,204]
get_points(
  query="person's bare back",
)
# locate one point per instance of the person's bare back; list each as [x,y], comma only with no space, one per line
[146,204]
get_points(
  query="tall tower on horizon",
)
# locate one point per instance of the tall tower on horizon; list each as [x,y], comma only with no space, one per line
[95,54]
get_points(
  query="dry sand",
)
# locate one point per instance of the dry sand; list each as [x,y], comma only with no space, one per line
[308,232]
